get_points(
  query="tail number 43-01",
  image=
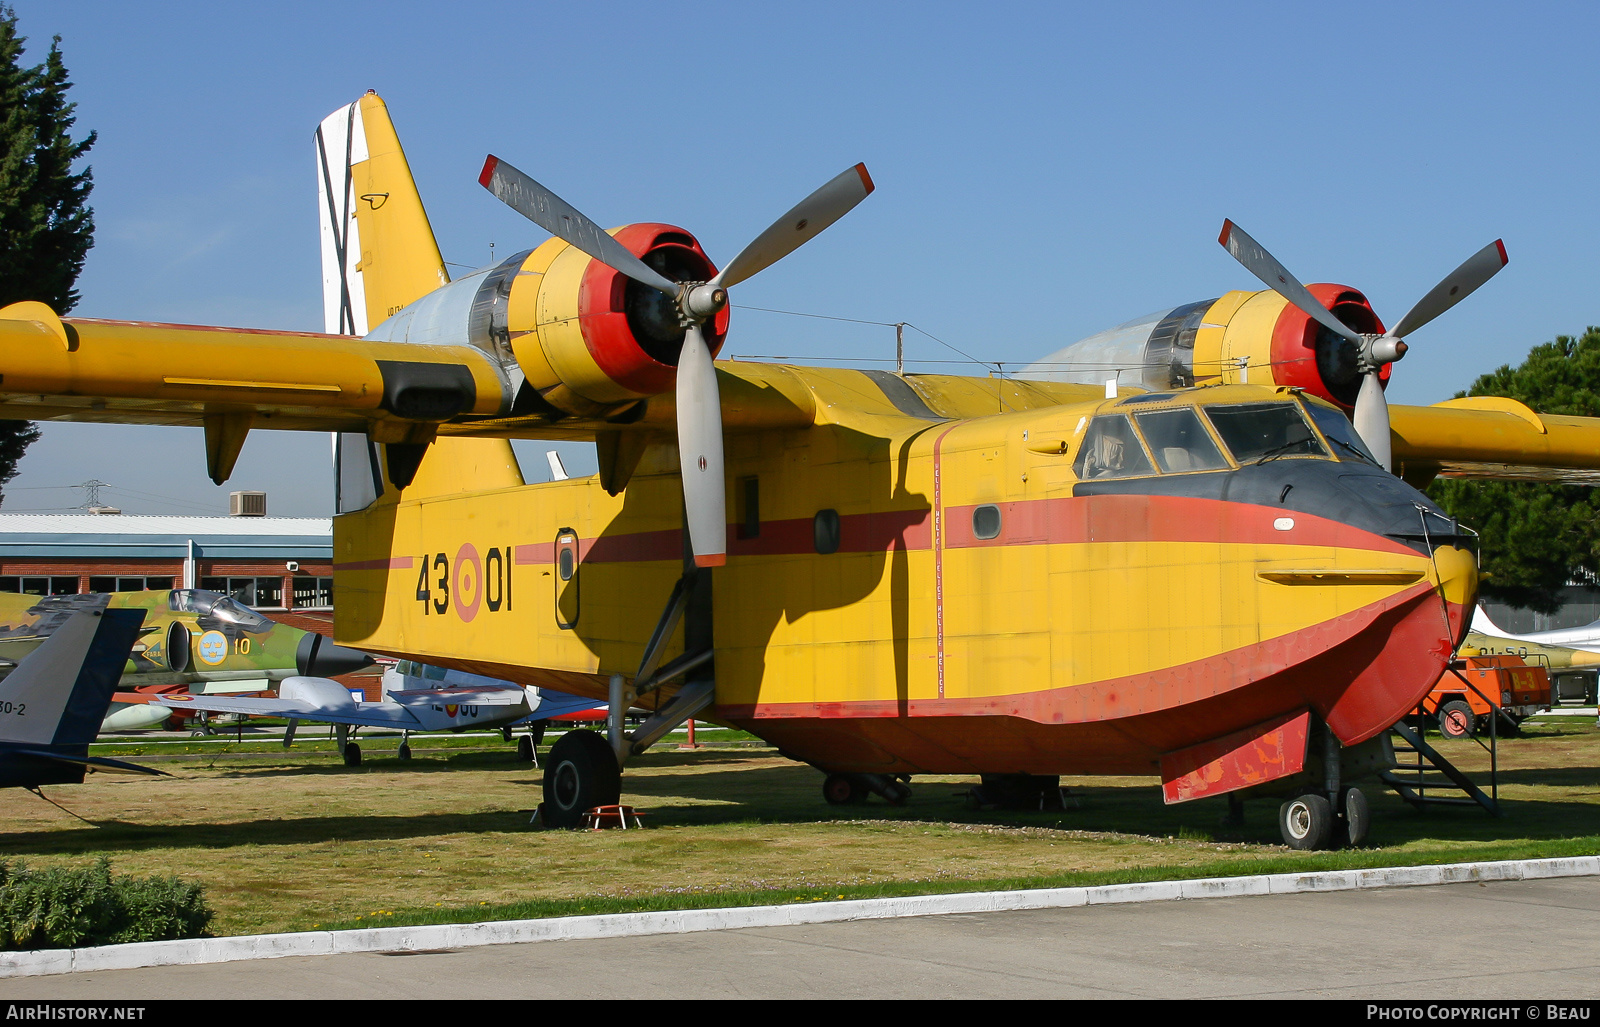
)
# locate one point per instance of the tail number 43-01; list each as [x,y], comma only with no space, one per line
[475,582]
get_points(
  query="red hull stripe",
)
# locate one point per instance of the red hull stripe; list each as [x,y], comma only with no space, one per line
[393,563]
[1066,521]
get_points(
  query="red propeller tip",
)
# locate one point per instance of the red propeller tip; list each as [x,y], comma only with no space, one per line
[1227,230]
[866,179]
[711,560]
[1504,260]
[489,164]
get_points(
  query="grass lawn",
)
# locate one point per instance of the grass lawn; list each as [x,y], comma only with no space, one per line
[290,841]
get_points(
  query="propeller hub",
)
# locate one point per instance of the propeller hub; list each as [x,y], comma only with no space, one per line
[703,301]
[1379,350]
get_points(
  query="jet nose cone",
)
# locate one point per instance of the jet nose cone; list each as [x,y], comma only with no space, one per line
[317,657]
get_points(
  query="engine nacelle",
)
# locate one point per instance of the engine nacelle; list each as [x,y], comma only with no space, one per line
[1255,337]
[573,336]
[317,691]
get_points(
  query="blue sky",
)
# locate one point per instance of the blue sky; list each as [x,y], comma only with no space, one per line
[1044,170]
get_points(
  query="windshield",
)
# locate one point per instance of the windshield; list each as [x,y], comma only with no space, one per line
[1337,429]
[1264,431]
[1179,441]
[231,611]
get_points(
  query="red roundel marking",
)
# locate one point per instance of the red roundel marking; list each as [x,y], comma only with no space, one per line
[468,584]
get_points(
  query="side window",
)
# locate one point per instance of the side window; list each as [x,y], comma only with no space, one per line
[986,521]
[566,579]
[1111,450]
[825,531]
[1179,441]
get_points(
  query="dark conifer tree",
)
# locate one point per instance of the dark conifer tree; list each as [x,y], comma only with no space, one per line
[46,225]
[1535,537]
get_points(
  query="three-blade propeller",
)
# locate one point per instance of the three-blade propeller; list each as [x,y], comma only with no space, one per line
[698,402]
[1372,410]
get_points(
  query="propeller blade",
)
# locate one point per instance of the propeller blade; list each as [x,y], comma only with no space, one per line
[558,217]
[705,496]
[1266,267]
[808,218]
[1457,286]
[1372,418]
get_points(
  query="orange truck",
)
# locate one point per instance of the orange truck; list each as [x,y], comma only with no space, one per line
[1465,699]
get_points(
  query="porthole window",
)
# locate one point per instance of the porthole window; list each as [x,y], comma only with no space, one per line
[825,531]
[986,521]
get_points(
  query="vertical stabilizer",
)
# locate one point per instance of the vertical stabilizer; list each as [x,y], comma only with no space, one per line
[59,693]
[378,250]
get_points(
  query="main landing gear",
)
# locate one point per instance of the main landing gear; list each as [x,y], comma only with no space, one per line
[853,789]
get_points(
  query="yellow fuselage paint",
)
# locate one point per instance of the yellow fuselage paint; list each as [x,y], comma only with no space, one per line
[912,608]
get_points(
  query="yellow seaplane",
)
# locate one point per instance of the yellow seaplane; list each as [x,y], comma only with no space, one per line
[1205,570]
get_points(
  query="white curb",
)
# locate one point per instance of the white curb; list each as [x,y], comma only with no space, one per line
[621,925]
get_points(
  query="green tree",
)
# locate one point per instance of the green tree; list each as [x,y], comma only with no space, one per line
[1535,537]
[46,225]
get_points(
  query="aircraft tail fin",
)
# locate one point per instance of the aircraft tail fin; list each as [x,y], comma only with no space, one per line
[1482,624]
[59,694]
[378,249]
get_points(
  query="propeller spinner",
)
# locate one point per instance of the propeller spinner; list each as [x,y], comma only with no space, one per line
[1372,410]
[699,405]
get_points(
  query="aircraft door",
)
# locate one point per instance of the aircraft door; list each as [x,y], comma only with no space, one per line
[566,579]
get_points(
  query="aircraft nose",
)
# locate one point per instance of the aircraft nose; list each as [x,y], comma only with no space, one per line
[317,657]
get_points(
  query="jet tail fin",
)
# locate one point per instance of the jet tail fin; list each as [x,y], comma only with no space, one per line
[58,696]
[1482,624]
[378,249]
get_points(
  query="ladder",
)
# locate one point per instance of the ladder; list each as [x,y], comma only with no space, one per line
[1420,768]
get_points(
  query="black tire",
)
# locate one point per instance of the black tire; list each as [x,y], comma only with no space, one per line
[352,755]
[843,790]
[1357,817]
[580,774]
[1306,822]
[505,733]
[898,793]
[1456,720]
[525,749]
[404,752]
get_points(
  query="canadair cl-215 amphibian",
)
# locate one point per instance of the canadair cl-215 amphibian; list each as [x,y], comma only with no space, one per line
[1209,574]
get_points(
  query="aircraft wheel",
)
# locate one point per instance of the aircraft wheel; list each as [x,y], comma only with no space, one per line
[580,774]
[404,752]
[1306,822]
[525,749]
[352,755]
[844,790]
[505,733]
[536,731]
[898,793]
[1456,720]
[1357,817]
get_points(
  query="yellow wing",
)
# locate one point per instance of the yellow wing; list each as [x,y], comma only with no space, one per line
[1492,437]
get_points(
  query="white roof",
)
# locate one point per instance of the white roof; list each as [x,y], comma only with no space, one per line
[140,524]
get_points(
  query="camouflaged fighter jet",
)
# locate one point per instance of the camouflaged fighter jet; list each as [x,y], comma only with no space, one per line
[191,641]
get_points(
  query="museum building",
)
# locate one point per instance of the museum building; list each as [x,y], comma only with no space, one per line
[270,563]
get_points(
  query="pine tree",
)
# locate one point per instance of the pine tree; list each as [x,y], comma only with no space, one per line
[1535,537]
[46,225]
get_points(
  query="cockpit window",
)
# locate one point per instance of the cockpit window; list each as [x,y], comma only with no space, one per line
[1337,429]
[1179,441]
[191,600]
[231,611]
[1264,431]
[215,604]
[1112,450]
